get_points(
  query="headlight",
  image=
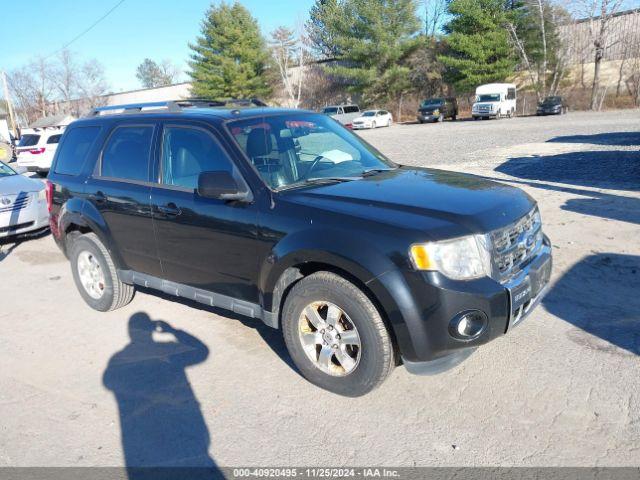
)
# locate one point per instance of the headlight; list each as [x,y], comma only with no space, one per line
[464,258]
[42,195]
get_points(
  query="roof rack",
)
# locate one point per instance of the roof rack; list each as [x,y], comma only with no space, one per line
[175,106]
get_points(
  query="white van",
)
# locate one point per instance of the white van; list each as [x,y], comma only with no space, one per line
[345,114]
[36,148]
[495,100]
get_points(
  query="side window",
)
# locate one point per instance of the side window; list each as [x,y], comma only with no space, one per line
[54,139]
[511,94]
[126,155]
[186,152]
[351,109]
[341,111]
[74,149]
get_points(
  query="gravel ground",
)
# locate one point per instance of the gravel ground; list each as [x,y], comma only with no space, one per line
[562,389]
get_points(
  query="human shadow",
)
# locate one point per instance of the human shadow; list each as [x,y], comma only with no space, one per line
[164,434]
[599,295]
[618,170]
[272,337]
[609,138]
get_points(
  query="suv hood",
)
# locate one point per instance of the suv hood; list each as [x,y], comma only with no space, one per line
[435,201]
[16,184]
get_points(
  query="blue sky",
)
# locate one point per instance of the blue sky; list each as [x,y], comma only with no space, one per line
[157,29]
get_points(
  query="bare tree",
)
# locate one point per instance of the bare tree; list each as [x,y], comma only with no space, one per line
[290,54]
[434,14]
[599,14]
[33,88]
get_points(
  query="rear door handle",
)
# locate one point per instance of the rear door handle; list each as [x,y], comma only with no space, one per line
[170,210]
[98,197]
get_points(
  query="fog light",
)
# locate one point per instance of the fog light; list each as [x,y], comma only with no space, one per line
[468,325]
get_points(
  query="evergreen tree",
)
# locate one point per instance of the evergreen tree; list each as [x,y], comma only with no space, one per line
[479,50]
[229,57]
[370,39]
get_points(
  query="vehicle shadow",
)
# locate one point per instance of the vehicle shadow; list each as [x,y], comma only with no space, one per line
[618,170]
[5,252]
[164,434]
[272,337]
[16,240]
[610,138]
[599,295]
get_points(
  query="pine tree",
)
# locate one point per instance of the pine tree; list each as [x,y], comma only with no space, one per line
[230,57]
[479,50]
[370,39]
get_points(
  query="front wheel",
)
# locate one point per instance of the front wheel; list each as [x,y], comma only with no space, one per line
[336,336]
[95,275]
[373,125]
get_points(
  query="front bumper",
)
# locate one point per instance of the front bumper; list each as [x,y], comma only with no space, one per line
[549,112]
[426,302]
[34,217]
[427,117]
[363,126]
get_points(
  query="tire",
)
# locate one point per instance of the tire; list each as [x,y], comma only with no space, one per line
[389,122]
[374,358]
[113,294]
[454,118]
[373,125]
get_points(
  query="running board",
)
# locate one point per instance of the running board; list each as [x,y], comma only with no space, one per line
[241,307]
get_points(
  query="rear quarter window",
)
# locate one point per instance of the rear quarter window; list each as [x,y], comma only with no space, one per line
[54,139]
[74,149]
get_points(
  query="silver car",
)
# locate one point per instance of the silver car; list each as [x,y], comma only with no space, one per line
[23,203]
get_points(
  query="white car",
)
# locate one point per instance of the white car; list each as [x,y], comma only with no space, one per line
[37,147]
[23,203]
[373,119]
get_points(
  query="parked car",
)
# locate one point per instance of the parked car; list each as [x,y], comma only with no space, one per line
[438,109]
[23,203]
[495,100]
[554,105]
[373,119]
[288,217]
[345,114]
[6,150]
[37,147]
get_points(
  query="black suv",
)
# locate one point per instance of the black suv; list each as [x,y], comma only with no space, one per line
[552,106]
[287,217]
[437,110]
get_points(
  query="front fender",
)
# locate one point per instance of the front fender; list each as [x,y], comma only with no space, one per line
[333,247]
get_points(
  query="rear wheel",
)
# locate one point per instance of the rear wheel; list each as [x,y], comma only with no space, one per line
[95,274]
[336,336]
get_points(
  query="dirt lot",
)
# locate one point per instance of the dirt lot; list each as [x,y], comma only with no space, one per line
[561,389]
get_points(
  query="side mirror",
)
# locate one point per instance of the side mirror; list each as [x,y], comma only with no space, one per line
[220,185]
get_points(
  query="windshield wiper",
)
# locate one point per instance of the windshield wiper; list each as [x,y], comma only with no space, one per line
[373,171]
[317,181]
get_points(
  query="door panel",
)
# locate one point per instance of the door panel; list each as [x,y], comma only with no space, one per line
[126,210]
[204,243]
[120,190]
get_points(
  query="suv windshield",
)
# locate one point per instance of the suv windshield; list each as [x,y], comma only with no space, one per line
[489,97]
[432,102]
[330,110]
[6,171]
[294,150]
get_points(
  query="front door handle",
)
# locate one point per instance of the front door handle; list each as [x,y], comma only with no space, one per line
[170,210]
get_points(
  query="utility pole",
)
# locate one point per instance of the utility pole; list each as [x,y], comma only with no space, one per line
[9,106]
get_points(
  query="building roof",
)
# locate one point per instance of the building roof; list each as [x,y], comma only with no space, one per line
[54,121]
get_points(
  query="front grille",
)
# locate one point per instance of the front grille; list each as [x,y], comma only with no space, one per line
[515,245]
[16,203]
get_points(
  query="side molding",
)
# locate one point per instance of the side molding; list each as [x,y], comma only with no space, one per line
[241,307]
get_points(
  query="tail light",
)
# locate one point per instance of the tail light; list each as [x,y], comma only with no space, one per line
[49,192]
[37,151]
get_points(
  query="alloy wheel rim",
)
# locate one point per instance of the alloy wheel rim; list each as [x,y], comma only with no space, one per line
[329,338]
[91,275]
